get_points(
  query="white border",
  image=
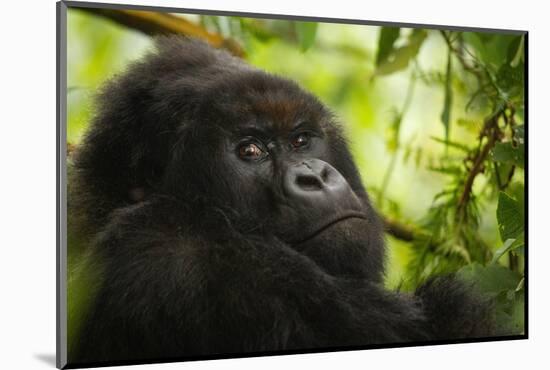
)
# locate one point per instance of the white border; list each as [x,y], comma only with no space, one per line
[27,185]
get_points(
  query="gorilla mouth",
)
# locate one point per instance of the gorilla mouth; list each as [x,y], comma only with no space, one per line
[328,224]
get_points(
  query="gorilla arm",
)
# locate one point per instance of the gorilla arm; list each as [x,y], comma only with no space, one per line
[233,295]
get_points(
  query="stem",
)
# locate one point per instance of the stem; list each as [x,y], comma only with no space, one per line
[391,167]
[512,261]
[491,131]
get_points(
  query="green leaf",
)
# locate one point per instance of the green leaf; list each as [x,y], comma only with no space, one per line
[510,80]
[392,142]
[474,42]
[502,250]
[452,144]
[388,35]
[448,100]
[509,217]
[497,48]
[471,125]
[492,279]
[447,170]
[517,191]
[492,49]
[398,59]
[508,153]
[521,284]
[306,32]
[509,245]
[516,52]
[418,157]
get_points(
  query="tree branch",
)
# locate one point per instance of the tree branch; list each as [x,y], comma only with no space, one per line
[153,23]
[478,161]
[408,233]
[399,230]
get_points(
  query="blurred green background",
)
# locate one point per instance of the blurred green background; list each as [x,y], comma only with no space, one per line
[418,107]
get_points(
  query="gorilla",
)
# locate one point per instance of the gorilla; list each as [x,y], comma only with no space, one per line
[225,215]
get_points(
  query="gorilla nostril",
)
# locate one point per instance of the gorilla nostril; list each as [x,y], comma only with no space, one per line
[324,174]
[309,183]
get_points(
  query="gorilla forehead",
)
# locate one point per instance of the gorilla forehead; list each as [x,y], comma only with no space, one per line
[266,101]
[186,78]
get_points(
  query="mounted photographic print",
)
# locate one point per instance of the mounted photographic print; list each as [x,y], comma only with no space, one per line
[235,185]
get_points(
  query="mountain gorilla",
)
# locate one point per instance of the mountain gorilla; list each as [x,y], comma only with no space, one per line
[227,216]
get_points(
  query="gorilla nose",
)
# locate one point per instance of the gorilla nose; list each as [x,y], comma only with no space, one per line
[311,176]
[317,185]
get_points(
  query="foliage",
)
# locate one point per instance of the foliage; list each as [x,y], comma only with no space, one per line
[449,236]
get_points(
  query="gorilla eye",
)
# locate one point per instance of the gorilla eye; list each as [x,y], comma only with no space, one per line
[300,140]
[250,151]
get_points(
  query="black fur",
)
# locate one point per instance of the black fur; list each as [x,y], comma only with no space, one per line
[201,252]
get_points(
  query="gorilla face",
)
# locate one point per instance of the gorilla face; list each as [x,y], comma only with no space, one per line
[274,162]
